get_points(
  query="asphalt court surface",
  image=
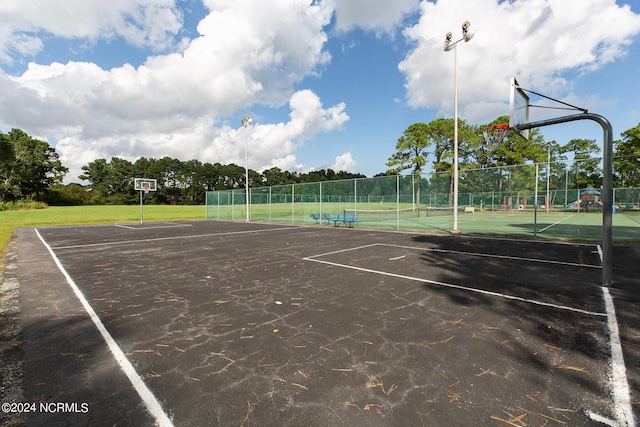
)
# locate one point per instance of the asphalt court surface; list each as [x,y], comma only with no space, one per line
[257,324]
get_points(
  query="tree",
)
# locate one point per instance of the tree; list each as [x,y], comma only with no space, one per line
[411,149]
[274,176]
[585,170]
[626,163]
[28,166]
[97,173]
[9,180]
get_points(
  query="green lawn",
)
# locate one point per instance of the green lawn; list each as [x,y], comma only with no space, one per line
[71,215]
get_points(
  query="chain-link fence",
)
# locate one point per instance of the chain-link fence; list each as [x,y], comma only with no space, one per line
[556,200]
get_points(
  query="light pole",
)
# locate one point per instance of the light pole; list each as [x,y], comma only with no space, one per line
[246,122]
[466,36]
[549,144]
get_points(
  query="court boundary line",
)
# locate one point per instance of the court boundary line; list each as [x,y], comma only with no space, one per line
[149,400]
[313,258]
[157,239]
[618,370]
[508,257]
[145,227]
[555,223]
[619,383]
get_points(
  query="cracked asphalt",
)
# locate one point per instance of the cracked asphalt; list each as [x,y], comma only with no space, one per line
[270,325]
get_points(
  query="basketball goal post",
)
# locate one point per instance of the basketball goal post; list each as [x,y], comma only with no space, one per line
[144,185]
[519,122]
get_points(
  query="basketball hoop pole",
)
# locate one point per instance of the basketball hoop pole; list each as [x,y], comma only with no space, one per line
[607,183]
[141,191]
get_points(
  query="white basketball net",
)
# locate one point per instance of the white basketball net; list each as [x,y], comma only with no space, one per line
[495,135]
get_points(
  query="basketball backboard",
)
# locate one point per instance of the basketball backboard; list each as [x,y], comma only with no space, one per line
[144,184]
[519,109]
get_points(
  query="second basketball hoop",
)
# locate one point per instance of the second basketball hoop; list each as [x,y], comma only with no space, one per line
[495,135]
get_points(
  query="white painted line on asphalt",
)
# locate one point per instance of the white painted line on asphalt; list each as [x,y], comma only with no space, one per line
[619,383]
[158,239]
[149,400]
[155,225]
[485,255]
[454,286]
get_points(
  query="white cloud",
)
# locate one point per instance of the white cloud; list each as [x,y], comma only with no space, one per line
[268,144]
[345,162]
[534,40]
[380,16]
[148,23]
[170,105]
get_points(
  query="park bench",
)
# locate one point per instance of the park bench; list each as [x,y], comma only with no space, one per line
[469,209]
[318,218]
[348,219]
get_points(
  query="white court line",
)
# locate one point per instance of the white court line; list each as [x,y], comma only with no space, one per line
[509,257]
[450,285]
[619,382]
[157,239]
[144,227]
[476,254]
[555,223]
[148,399]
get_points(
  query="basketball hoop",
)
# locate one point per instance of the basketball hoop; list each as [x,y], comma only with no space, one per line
[146,188]
[495,135]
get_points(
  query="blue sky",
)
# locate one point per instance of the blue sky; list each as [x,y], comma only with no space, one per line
[329,83]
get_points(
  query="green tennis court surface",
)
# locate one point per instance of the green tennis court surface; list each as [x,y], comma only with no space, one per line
[234,323]
[576,226]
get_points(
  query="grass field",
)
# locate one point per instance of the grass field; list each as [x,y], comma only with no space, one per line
[71,215]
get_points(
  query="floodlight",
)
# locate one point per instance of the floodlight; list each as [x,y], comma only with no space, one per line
[447,41]
[466,33]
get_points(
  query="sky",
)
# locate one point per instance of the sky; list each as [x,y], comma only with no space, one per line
[327,83]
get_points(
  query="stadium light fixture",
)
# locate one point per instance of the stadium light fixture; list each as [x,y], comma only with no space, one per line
[467,35]
[246,122]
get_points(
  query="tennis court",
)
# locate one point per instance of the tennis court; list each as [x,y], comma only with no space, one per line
[234,323]
[583,226]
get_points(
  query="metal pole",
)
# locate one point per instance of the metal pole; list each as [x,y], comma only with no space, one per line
[455,141]
[246,122]
[246,174]
[140,207]
[398,202]
[548,177]
[535,206]
[607,184]
[466,36]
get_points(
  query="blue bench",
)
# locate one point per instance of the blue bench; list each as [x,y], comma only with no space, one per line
[349,219]
[318,218]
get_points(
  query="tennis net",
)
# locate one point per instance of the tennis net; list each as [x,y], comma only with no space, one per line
[365,215]
[437,211]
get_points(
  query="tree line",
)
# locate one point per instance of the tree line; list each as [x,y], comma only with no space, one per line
[30,169]
[184,182]
[578,158]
